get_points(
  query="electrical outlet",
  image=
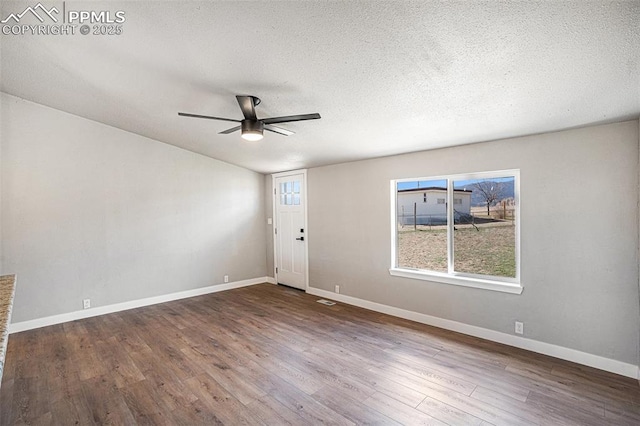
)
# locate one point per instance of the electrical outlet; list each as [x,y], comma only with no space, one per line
[519,327]
[226,278]
[337,289]
[86,303]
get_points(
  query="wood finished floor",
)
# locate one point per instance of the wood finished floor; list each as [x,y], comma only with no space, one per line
[271,355]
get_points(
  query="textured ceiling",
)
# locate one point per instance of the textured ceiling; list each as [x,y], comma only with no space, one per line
[387,77]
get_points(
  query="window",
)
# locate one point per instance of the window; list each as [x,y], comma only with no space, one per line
[470,237]
[290,193]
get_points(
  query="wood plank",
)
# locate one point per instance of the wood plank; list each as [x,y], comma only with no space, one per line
[447,413]
[272,412]
[234,383]
[499,381]
[270,355]
[117,361]
[196,413]
[172,393]
[394,389]
[481,410]
[226,408]
[106,405]
[460,401]
[616,388]
[352,409]
[305,406]
[417,373]
[143,404]
[535,413]
[399,411]
[622,413]
[561,400]
[566,391]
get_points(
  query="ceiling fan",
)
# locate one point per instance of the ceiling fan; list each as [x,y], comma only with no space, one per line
[251,126]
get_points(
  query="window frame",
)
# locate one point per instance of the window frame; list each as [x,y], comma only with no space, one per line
[487,282]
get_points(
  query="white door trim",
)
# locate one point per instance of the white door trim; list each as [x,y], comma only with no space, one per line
[303,172]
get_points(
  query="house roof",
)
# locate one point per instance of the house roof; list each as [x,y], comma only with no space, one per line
[386,77]
[434,188]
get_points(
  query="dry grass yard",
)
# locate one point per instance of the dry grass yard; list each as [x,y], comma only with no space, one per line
[487,250]
[423,249]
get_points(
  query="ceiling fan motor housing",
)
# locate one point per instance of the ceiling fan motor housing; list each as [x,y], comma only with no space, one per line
[252,129]
[252,126]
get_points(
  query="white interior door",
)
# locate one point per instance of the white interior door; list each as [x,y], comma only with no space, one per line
[290,231]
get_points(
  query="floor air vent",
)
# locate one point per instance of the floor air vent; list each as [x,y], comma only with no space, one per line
[326,302]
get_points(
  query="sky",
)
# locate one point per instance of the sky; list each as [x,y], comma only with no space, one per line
[458,184]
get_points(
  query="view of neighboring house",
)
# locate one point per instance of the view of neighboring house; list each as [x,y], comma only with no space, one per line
[430,205]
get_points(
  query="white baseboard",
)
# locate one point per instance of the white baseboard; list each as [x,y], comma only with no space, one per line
[606,364]
[270,280]
[117,307]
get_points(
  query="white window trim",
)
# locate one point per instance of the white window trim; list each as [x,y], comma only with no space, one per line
[501,284]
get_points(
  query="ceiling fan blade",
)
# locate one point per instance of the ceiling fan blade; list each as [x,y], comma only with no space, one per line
[186,114]
[231,130]
[289,118]
[247,105]
[278,130]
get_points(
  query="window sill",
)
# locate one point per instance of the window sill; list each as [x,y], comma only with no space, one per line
[501,286]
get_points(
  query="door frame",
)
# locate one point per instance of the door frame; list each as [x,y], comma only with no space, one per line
[302,172]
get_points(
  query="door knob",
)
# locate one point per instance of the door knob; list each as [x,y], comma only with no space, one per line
[300,239]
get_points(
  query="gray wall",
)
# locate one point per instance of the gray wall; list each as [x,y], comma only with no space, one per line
[268,204]
[579,208]
[1,235]
[90,211]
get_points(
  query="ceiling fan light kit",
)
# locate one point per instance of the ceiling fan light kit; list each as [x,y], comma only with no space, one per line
[252,128]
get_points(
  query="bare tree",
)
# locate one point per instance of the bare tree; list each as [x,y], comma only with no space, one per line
[491,191]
